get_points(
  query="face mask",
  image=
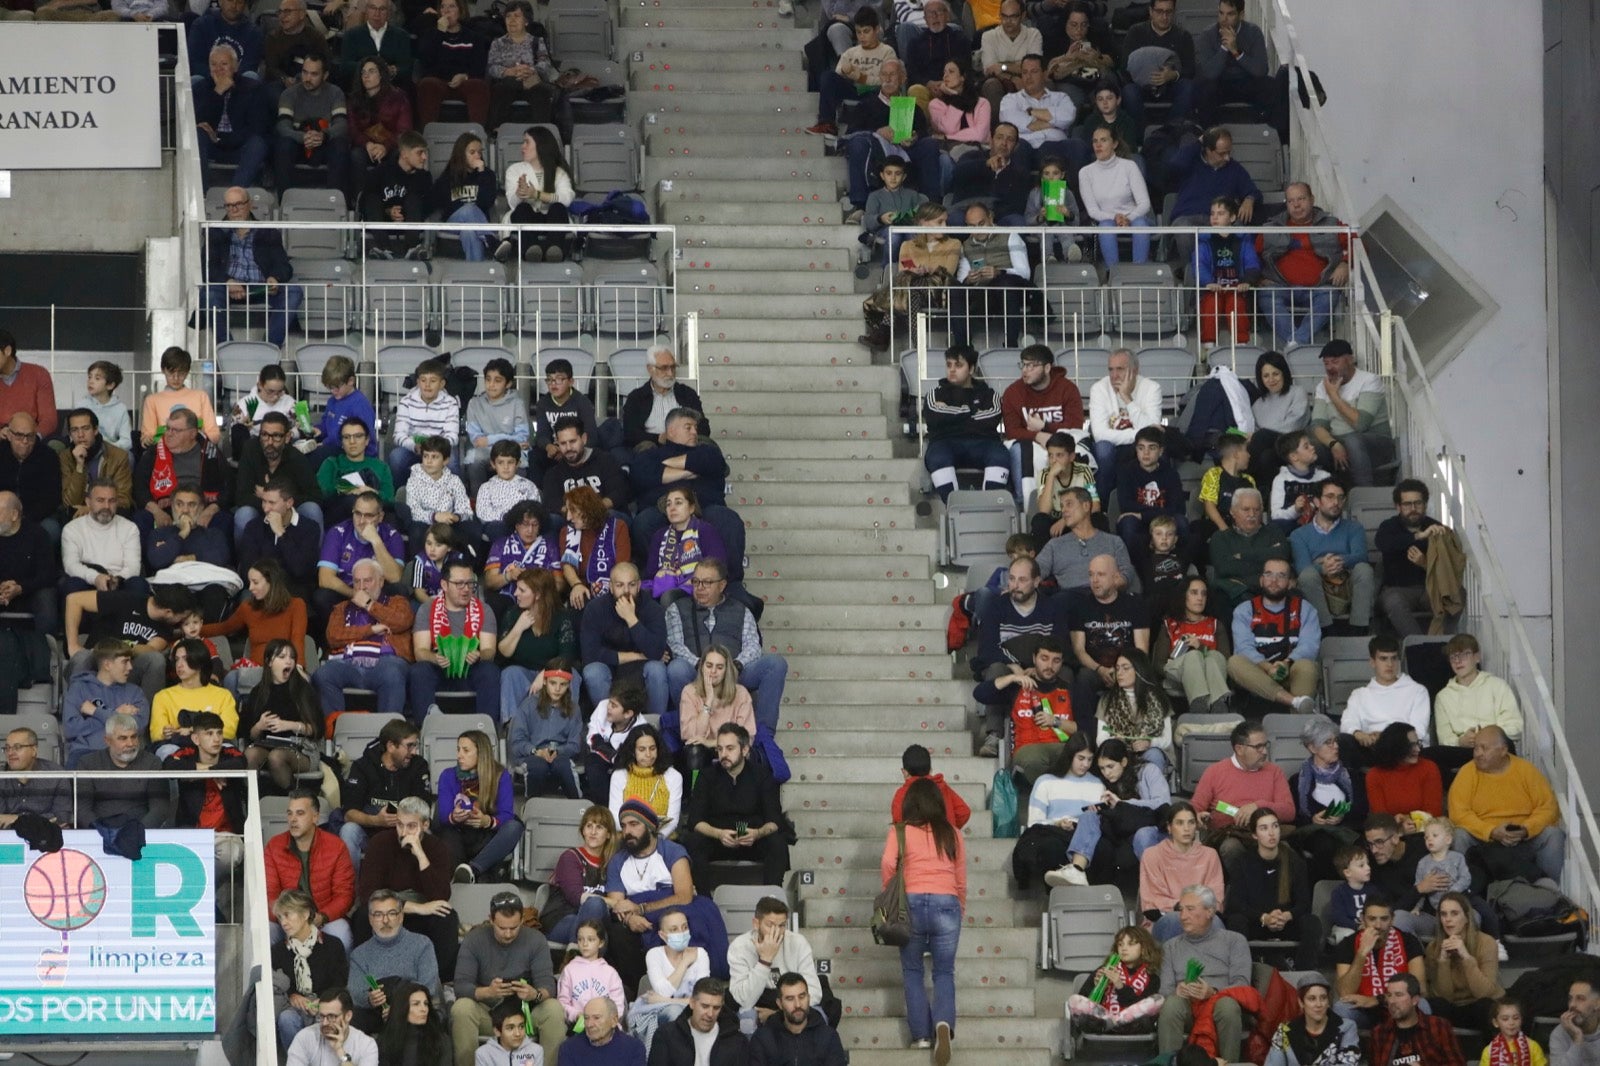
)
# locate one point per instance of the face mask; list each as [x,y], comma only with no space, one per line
[677,941]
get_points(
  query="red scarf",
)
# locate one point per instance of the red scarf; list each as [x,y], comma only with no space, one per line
[1137,981]
[439,618]
[163,475]
[1382,963]
[1513,1052]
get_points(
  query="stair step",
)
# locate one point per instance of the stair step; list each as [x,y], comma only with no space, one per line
[769,282]
[810,697]
[979,1036]
[960,1055]
[854,642]
[883,770]
[776,542]
[841,310]
[831,566]
[868,592]
[864,972]
[759,133]
[890,1002]
[909,722]
[801,427]
[709,61]
[706,263]
[907,619]
[773,140]
[721,236]
[811,168]
[798,493]
[742,190]
[753,475]
[780,342]
[923,668]
[874,450]
[837,797]
[856,912]
[749,403]
[700,84]
[949,744]
[785,40]
[982,944]
[829,824]
[804,213]
[865,884]
[745,20]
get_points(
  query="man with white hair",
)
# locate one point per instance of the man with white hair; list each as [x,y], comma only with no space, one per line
[1224,960]
[369,644]
[645,411]
[602,1042]
[140,795]
[926,42]
[1120,405]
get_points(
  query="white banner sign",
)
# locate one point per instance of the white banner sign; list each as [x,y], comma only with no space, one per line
[79,97]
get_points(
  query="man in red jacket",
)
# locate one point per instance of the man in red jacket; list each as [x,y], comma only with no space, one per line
[916,762]
[1041,402]
[332,878]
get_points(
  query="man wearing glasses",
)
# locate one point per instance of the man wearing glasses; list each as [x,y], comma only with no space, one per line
[1330,555]
[266,457]
[248,268]
[1231,791]
[645,411]
[456,612]
[180,460]
[709,618]
[333,1041]
[50,798]
[364,536]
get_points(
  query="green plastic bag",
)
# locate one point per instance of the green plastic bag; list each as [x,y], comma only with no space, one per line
[1054,196]
[902,118]
[1003,805]
[455,649]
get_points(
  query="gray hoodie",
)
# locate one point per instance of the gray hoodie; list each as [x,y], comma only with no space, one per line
[87,732]
[503,419]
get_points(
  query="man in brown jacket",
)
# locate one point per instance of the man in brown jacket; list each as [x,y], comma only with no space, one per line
[369,644]
[91,456]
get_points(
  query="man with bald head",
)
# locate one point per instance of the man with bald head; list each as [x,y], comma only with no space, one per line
[30,470]
[623,634]
[28,569]
[602,1042]
[1505,809]
[926,48]
[1103,621]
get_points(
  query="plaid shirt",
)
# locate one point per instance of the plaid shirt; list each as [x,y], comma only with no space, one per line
[1435,1042]
[242,264]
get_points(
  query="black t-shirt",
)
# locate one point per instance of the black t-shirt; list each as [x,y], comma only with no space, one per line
[1345,953]
[121,616]
[1107,628]
[1407,1048]
[1397,879]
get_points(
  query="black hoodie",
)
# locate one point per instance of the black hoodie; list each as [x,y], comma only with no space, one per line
[674,1042]
[816,1045]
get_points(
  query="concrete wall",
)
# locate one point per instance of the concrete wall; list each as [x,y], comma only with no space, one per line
[1429,103]
[1571,153]
[87,210]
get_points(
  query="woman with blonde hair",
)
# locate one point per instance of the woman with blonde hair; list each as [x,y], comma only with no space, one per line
[580,876]
[477,813]
[711,700]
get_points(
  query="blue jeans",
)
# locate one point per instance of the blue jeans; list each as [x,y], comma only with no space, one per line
[245,515]
[1147,838]
[492,851]
[473,242]
[936,930]
[1180,92]
[592,907]
[557,776]
[1297,314]
[425,680]
[282,310]
[386,677]
[943,456]
[764,678]
[290,1022]
[1141,241]
[1086,837]
[597,680]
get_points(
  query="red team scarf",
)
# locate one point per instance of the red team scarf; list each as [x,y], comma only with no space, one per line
[439,618]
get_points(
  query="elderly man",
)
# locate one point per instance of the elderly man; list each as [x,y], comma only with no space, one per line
[648,876]
[32,472]
[88,458]
[1330,559]
[296,39]
[283,533]
[1225,958]
[1276,637]
[393,952]
[733,813]
[645,411]
[50,798]
[602,1042]
[1576,1041]
[1504,807]
[1350,416]
[412,860]
[94,695]
[1305,270]
[704,1022]
[991,259]
[369,644]
[247,268]
[25,387]
[710,618]
[377,36]
[456,612]
[1240,553]
[870,128]
[180,459]
[1120,405]
[1066,557]
[312,127]
[623,635]
[28,569]
[230,119]
[365,535]
[926,51]
[504,961]
[1166,72]
[138,797]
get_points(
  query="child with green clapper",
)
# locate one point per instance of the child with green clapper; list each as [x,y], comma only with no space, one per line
[1052,204]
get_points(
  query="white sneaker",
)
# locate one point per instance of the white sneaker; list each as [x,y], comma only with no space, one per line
[921,1045]
[1503,956]
[1304,704]
[786,7]
[1070,874]
[991,747]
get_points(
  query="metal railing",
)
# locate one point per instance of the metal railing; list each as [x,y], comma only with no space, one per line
[1081,310]
[248,889]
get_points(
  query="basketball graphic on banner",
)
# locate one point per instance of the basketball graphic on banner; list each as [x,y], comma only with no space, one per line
[65,890]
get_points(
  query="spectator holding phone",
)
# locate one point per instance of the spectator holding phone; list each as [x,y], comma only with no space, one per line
[498,961]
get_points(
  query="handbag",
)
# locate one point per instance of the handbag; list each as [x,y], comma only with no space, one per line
[891,911]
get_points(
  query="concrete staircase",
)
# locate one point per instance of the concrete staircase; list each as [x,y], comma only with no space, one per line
[827,489]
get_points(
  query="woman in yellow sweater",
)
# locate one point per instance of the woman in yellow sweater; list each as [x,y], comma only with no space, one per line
[172,708]
[645,773]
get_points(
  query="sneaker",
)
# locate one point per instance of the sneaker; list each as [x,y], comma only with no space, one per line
[417,251]
[991,747]
[786,8]
[1074,254]
[554,254]
[1304,704]
[507,249]
[941,1044]
[854,217]
[377,251]
[1070,874]
[823,129]
[463,875]
[921,1045]
[1502,949]
[533,253]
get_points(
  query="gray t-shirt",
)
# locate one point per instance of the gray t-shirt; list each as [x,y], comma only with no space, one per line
[458,621]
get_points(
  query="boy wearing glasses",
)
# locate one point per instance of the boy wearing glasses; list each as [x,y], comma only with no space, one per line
[456,612]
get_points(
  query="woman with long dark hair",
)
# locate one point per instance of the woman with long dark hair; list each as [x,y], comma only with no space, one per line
[378,114]
[281,721]
[644,772]
[1136,709]
[465,192]
[1271,892]
[535,627]
[271,612]
[1279,408]
[539,190]
[956,112]
[1191,646]
[414,1034]
[1401,780]
[933,869]
[1135,789]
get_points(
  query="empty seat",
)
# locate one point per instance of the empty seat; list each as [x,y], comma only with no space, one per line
[397,298]
[582,366]
[442,137]
[396,362]
[581,31]
[550,301]
[1074,301]
[552,827]
[315,205]
[606,158]
[1084,366]
[627,301]
[1346,667]
[1145,299]
[475,299]
[1256,147]
[354,730]
[976,523]
[629,371]
[1172,368]
[332,296]
[1080,920]
[999,367]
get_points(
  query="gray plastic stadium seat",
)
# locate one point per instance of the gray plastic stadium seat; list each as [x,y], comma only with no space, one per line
[1079,921]
[274,812]
[508,143]
[239,364]
[1145,299]
[332,296]
[582,366]
[440,733]
[999,367]
[471,902]
[1256,148]
[977,522]
[478,357]
[396,362]
[627,301]
[1074,301]
[605,158]
[628,371]
[738,904]
[550,301]
[475,299]
[1305,363]
[315,205]
[1240,358]
[1084,366]
[1172,368]
[441,138]
[580,31]
[552,827]
[1200,750]
[1346,667]
[309,361]
[1283,734]
[397,299]
[354,730]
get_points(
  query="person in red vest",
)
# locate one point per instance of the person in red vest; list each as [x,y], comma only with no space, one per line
[1276,637]
[916,763]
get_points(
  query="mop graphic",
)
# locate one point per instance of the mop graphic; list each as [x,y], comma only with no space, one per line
[64,891]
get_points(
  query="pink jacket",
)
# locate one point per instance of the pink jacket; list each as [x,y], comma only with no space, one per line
[1164,872]
[947,122]
[927,870]
[584,979]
